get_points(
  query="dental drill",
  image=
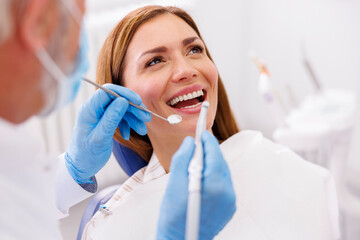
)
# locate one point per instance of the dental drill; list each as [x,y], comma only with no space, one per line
[195,177]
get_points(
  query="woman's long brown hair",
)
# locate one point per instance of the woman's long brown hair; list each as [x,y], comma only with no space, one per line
[110,69]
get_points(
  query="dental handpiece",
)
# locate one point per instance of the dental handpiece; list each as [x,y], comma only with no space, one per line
[172,119]
[195,176]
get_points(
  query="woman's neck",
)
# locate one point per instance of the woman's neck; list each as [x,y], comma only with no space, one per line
[165,148]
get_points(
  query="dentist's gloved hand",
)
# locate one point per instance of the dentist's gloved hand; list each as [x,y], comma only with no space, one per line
[217,200]
[97,119]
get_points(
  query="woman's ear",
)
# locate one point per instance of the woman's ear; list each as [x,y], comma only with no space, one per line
[38,23]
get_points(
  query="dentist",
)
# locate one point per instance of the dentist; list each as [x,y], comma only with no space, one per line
[42,59]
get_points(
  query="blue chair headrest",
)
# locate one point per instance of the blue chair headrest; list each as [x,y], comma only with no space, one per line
[127,158]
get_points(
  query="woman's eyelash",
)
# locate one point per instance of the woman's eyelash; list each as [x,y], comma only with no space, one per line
[199,48]
[153,61]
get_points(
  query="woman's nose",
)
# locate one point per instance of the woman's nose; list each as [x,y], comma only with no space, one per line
[184,71]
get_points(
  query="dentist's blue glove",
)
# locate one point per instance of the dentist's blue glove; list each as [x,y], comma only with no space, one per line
[97,119]
[217,200]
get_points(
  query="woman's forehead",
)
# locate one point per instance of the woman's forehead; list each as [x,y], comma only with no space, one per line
[164,30]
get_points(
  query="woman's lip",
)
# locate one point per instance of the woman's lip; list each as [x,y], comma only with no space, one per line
[187,90]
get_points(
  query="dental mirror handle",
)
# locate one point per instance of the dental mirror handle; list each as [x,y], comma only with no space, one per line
[117,95]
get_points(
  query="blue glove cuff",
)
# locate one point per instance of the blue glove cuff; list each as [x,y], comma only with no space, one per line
[90,187]
[75,173]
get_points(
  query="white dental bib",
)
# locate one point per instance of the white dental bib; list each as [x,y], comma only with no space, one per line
[279,196]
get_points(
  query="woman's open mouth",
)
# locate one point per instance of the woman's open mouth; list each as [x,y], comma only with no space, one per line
[189,100]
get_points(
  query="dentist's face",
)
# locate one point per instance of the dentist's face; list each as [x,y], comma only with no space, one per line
[166,64]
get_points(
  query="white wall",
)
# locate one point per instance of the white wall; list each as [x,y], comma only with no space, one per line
[276,30]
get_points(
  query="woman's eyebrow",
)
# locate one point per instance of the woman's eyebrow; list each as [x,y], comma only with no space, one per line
[162,49]
[154,50]
[189,40]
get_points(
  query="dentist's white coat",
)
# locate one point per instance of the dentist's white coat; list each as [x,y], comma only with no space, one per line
[28,187]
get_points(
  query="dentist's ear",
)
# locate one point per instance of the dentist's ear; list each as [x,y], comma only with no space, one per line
[38,23]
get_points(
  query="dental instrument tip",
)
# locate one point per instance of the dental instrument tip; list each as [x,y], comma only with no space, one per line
[205,104]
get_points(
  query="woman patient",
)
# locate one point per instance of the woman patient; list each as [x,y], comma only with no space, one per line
[158,52]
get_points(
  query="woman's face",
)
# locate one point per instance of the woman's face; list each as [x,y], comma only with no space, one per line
[166,64]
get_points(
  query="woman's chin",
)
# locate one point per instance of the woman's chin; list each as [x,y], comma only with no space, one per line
[188,126]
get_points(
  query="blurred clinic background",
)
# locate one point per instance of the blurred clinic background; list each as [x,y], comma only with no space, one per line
[311,50]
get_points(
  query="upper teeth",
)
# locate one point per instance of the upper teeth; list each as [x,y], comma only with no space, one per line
[185,97]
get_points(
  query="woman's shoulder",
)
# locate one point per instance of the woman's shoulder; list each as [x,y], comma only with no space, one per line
[252,148]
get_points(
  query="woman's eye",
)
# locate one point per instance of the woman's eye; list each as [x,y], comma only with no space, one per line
[196,49]
[154,61]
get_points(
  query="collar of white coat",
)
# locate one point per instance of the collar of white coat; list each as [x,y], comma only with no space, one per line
[153,170]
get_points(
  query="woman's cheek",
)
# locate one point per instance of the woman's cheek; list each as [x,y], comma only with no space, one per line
[213,73]
[209,71]
[148,91]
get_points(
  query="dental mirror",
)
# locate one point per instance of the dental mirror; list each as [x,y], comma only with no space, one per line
[174,119]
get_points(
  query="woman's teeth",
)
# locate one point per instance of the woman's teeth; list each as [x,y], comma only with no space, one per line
[185,97]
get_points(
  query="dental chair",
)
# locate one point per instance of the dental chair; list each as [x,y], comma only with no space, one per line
[130,162]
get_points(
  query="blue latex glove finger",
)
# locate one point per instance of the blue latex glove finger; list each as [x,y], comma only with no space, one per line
[124,129]
[217,160]
[93,109]
[91,144]
[181,159]
[140,114]
[216,184]
[172,217]
[134,98]
[124,92]
[136,124]
[111,117]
